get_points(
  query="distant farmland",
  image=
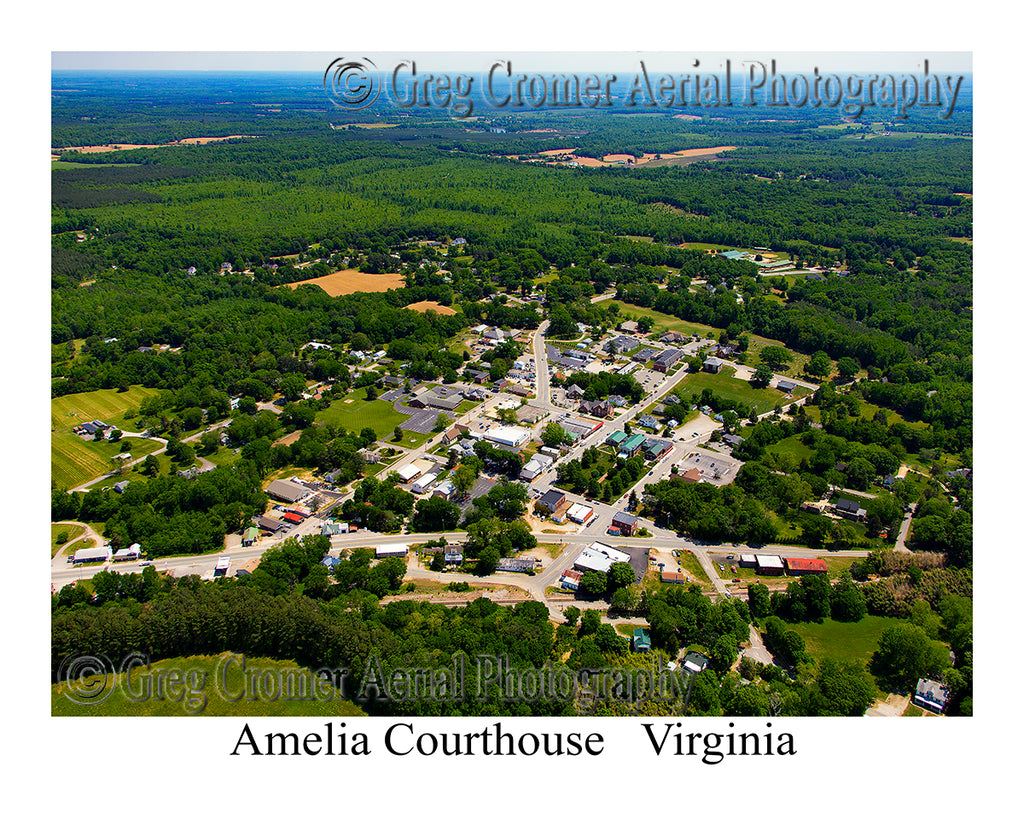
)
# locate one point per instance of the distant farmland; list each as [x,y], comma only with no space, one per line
[73,459]
[352,281]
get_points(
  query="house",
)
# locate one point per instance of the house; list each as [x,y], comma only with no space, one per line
[575,392]
[445,490]
[571,579]
[695,662]
[850,509]
[641,642]
[536,465]
[621,344]
[626,524]
[666,360]
[601,409]
[797,566]
[673,577]
[648,421]
[453,555]
[672,337]
[120,486]
[551,502]
[287,491]
[329,562]
[713,365]
[454,432]
[931,695]
[617,401]
[769,565]
[732,440]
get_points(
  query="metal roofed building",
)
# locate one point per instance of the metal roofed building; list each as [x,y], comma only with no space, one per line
[287,491]
[597,557]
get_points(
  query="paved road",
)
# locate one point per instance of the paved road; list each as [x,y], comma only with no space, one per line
[901,538]
[540,359]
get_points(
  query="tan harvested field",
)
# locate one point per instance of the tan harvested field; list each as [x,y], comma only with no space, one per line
[423,306]
[557,151]
[686,116]
[353,281]
[373,124]
[705,151]
[126,146]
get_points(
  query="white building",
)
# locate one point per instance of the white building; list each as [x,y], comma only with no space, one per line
[536,465]
[421,484]
[578,513]
[597,557]
[392,551]
[409,473]
[514,437]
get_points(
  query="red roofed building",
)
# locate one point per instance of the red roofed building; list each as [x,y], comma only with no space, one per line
[292,517]
[800,565]
[673,577]
[690,476]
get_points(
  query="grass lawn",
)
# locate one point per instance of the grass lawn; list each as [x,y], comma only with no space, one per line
[73,459]
[56,529]
[844,641]
[663,322]
[224,456]
[689,564]
[354,413]
[725,386]
[208,692]
[791,446]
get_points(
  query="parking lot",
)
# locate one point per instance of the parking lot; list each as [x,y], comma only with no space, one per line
[715,469]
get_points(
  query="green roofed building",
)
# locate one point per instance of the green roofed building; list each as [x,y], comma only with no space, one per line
[250,536]
[616,438]
[632,444]
[641,641]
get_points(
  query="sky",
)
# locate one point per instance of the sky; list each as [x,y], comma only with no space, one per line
[613,60]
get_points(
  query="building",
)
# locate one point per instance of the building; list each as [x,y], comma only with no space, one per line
[695,662]
[269,524]
[445,490]
[785,386]
[133,552]
[799,565]
[666,360]
[601,409]
[223,564]
[578,513]
[691,475]
[571,579]
[574,392]
[442,398]
[453,555]
[672,337]
[626,524]
[516,564]
[551,502]
[629,327]
[644,355]
[641,642]
[713,365]
[673,577]
[931,695]
[250,536]
[626,369]
[769,565]
[514,437]
[391,551]
[748,561]
[631,445]
[422,483]
[409,473]
[248,567]
[616,438]
[597,557]
[120,486]
[648,422]
[850,509]
[536,465]
[287,491]
[292,517]
[656,448]
[621,344]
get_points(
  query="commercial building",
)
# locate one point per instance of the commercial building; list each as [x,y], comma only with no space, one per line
[511,436]
[536,465]
[551,502]
[391,551]
[799,565]
[409,473]
[92,554]
[287,491]
[597,557]
[578,513]
[770,565]
[627,524]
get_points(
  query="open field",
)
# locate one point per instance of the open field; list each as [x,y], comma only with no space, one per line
[73,459]
[844,641]
[423,306]
[354,413]
[123,146]
[56,529]
[206,689]
[344,282]
[735,389]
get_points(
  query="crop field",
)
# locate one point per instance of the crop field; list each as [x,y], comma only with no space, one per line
[73,459]
[423,306]
[352,281]
[209,684]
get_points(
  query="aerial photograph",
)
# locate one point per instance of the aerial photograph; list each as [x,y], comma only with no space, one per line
[506,385]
